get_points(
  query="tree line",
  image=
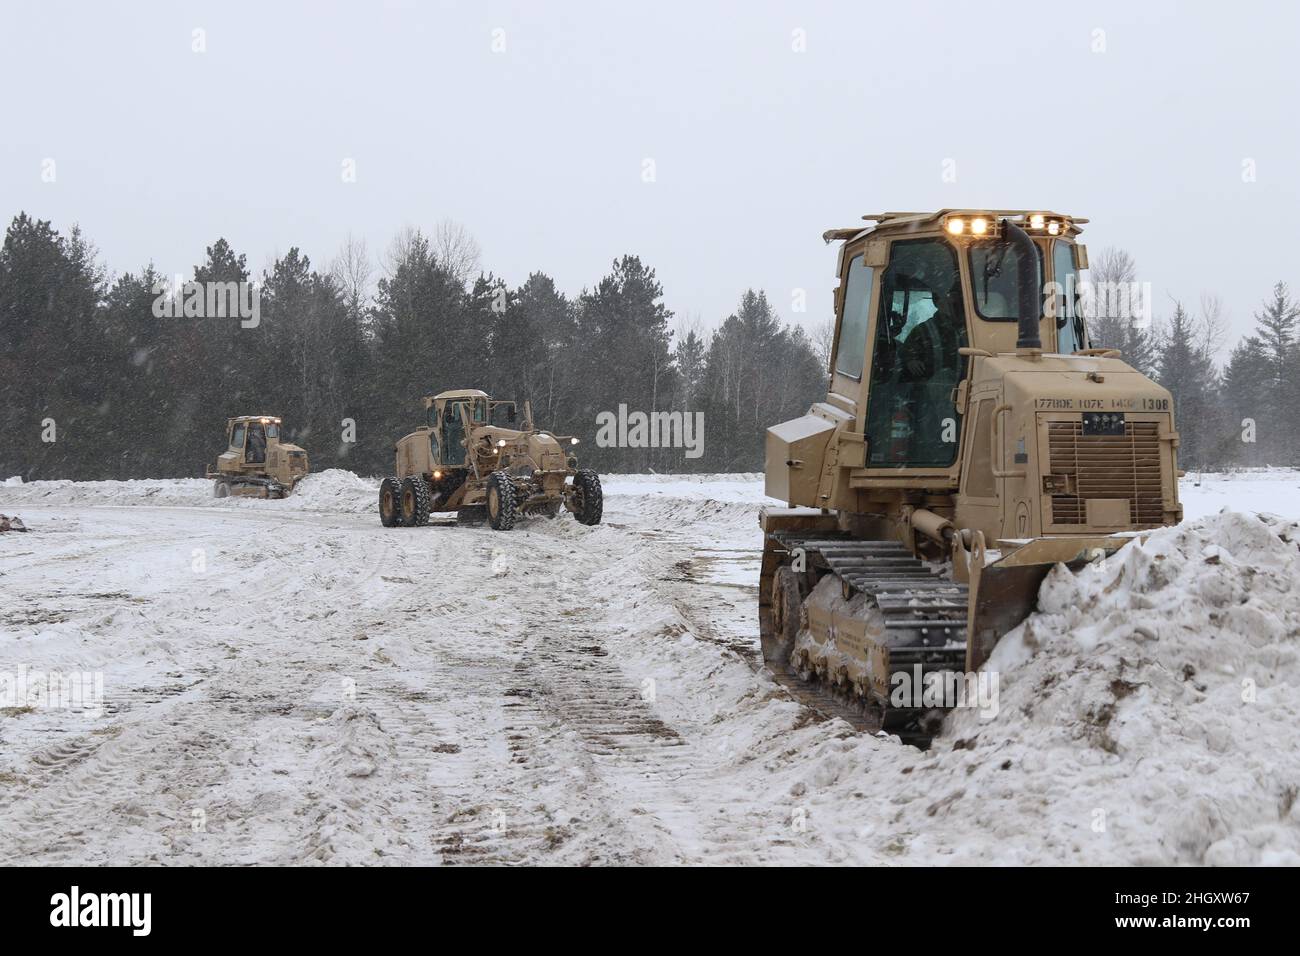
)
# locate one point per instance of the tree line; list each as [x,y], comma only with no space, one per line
[96,381]
[1241,412]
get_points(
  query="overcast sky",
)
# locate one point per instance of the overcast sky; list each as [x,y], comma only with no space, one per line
[1144,117]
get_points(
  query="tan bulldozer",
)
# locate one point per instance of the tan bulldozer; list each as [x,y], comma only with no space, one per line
[971,439]
[470,460]
[257,462]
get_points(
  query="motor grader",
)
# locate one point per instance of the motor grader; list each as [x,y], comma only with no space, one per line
[257,462]
[971,438]
[469,460]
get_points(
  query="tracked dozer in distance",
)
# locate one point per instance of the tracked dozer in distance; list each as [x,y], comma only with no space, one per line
[257,462]
[970,440]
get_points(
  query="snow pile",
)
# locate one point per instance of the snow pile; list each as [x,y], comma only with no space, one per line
[136,491]
[743,486]
[1161,684]
[333,490]
[1147,714]
[330,490]
[724,503]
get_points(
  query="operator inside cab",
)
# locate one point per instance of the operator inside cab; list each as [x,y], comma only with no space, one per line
[911,418]
[256,444]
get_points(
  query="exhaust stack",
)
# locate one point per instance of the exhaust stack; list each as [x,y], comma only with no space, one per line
[1030,292]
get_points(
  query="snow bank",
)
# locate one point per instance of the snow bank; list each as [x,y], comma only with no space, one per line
[1251,489]
[1162,684]
[330,490]
[142,491]
[723,502]
[333,490]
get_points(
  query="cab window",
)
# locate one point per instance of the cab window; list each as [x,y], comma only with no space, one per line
[995,279]
[453,434]
[911,419]
[1069,317]
[851,353]
[237,436]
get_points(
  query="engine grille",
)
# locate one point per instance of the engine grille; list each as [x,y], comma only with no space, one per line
[1107,466]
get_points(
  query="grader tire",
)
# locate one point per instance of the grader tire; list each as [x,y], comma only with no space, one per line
[589,500]
[502,505]
[415,502]
[390,503]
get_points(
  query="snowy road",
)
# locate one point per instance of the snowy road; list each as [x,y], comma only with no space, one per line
[286,686]
[287,682]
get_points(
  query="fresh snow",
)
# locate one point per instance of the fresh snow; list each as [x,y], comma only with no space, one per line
[288,682]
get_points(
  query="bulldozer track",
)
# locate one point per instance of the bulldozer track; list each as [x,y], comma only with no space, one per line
[924,625]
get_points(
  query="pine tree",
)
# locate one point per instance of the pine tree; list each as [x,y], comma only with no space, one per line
[54,357]
[625,354]
[1186,368]
[1277,333]
[1246,394]
[757,373]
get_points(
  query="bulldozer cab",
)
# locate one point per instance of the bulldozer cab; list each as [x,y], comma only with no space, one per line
[249,437]
[918,292]
[962,379]
[257,459]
